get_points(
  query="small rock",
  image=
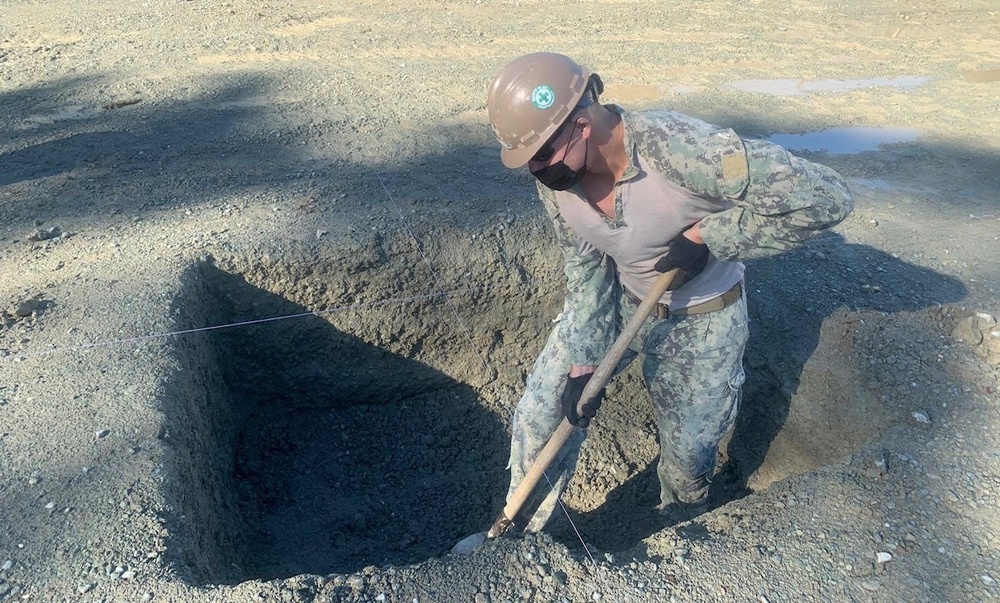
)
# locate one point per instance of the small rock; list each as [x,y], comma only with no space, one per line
[986,321]
[987,580]
[103,433]
[883,557]
[147,597]
[967,331]
[128,575]
[44,234]
[7,565]
[27,307]
[380,598]
[50,506]
[921,417]
[86,588]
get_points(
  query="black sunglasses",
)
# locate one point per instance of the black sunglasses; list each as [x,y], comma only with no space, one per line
[547,151]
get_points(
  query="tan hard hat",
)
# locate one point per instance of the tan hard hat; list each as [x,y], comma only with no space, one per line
[529,99]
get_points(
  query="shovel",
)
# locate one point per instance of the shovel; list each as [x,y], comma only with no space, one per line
[597,381]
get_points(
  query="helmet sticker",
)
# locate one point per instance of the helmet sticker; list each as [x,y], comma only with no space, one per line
[543,97]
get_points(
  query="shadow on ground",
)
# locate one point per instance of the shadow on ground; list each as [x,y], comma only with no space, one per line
[303,449]
[789,297]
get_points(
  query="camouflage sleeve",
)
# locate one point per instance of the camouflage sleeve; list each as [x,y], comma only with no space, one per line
[590,313]
[786,202]
[702,158]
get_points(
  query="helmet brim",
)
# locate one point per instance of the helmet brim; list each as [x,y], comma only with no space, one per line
[515,158]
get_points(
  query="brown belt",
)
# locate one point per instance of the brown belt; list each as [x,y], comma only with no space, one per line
[713,305]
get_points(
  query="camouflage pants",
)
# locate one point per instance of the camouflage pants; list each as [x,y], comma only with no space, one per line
[693,370]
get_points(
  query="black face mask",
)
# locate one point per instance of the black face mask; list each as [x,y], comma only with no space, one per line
[559,176]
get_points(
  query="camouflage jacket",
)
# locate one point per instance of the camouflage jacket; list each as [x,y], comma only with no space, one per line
[760,200]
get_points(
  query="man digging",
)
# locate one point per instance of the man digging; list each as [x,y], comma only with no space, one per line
[631,196]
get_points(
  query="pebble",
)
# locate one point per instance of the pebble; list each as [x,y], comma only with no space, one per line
[86,588]
[988,580]
[103,433]
[883,557]
[921,417]
[44,234]
[50,506]
[25,308]
[128,575]
[7,565]
[147,597]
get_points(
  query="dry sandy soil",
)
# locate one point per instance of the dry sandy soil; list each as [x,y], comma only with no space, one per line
[267,299]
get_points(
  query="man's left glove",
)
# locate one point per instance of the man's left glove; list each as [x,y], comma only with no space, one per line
[571,396]
[685,254]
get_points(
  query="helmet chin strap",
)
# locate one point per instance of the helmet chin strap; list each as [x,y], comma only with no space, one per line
[596,85]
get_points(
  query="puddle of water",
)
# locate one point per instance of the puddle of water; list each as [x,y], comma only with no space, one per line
[796,87]
[983,76]
[845,141]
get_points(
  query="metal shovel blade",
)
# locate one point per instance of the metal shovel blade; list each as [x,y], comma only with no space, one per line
[468,544]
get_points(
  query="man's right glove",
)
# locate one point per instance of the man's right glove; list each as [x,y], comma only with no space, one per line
[685,254]
[571,396]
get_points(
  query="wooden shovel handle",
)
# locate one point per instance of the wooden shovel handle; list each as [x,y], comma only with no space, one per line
[597,381]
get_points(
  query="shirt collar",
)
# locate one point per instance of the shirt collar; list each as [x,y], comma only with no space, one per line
[631,169]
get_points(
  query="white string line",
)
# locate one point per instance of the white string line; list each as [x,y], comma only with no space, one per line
[354,306]
[434,273]
[570,519]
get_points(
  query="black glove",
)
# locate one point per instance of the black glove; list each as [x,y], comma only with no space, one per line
[685,254]
[571,396]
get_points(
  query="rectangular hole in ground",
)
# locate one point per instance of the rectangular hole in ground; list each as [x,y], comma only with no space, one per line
[300,448]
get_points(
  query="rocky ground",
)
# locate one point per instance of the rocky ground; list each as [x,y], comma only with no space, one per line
[267,298]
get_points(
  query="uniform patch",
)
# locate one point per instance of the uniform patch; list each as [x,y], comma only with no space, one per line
[543,97]
[734,166]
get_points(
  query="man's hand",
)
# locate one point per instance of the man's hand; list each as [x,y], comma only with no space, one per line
[571,396]
[688,252]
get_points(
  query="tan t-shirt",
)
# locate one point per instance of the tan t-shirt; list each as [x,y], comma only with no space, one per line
[649,212]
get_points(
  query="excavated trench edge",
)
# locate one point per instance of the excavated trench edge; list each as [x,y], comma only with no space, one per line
[325,445]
